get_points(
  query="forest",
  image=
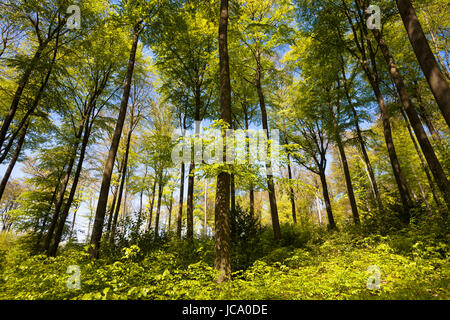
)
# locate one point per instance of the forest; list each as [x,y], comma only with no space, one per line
[224,150]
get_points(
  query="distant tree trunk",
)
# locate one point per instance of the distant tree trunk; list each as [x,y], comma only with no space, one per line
[427,61]
[122,182]
[149,224]
[62,190]
[158,208]
[222,261]
[18,93]
[114,200]
[270,183]
[422,161]
[170,212]
[425,145]
[180,203]
[13,161]
[205,218]
[251,190]
[291,192]
[107,173]
[425,115]
[62,220]
[344,162]
[190,203]
[326,198]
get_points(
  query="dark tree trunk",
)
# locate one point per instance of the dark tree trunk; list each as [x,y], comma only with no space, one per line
[251,190]
[158,208]
[180,203]
[97,229]
[427,61]
[232,194]
[190,204]
[422,161]
[291,192]
[326,198]
[425,115]
[222,261]
[150,218]
[270,184]
[122,183]
[13,161]
[62,221]
[427,149]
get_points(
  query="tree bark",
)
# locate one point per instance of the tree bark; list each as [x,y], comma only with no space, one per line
[158,208]
[326,197]
[427,149]
[425,56]
[180,203]
[150,218]
[106,181]
[222,245]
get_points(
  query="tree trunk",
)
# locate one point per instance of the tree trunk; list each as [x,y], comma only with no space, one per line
[106,181]
[222,261]
[190,203]
[291,192]
[158,208]
[427,149]
[62,221]
[425,115]
[149,224]
[270,184]
[180,203]
[251,190]
[326,197]
[13,161]
[427,61]
[18,94]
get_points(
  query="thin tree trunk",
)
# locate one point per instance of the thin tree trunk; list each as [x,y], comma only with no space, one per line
[158,208]
[291,192]
[427,149]
[270,183]
[427,61]
[205,217]
[180,203]
[425,116]
[149,224]
[106,181]
[222,261]
[251,189]
[13,161]
[190,203]
[62,221]
[326,197]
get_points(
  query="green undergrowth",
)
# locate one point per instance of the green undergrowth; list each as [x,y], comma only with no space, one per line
[321,266]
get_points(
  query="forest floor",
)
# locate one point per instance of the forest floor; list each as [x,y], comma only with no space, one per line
[342,265]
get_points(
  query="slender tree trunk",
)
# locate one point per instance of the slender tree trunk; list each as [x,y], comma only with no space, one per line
[205,217]
[422,161]
[425,115]
[149,225]
[13,161]
[190,203]
[122,183]
[222,261]
[326,197]
[270,183]
[106,181]
[251,189]
[291,192]
[18,94]
[427,61]
[347,176]
[158,208]
[62,191]
[180,203]
[170,212]
[62,221]
[425,145]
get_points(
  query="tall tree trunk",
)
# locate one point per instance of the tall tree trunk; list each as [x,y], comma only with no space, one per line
[422,161]
[62,221]
[158,208]
[205,217]
[291,192]
[106,181]
[270,183]
[222,261]
[190,203]
[251,189]
[180,203]
[343,156]
[170,212]
[425,115]
[122,182]
[18,93]
[232,194]
[427,149]
[326,198]
[62,190]
[13,161]
[427,61]
[150,218]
